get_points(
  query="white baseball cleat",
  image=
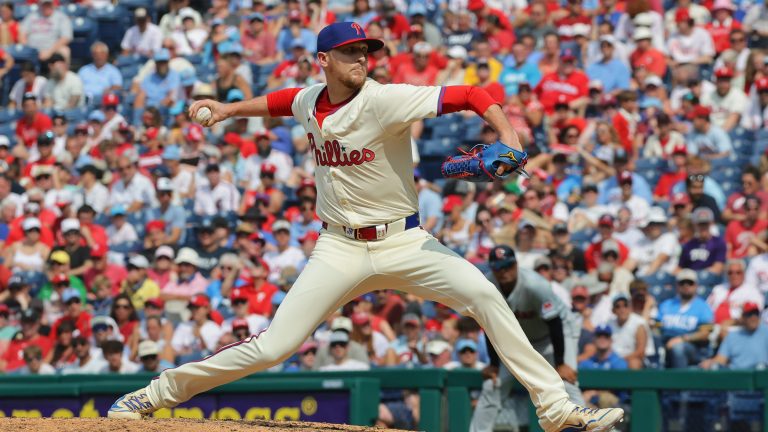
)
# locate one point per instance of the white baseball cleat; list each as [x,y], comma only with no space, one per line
[592,420]
[132,406]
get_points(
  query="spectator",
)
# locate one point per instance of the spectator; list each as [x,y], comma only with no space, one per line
[727,299]
[757,272]
[259,44]
[33,359]
[122,234]
[376,344]
[135,191]
[137,284]
[145,38]
[116,363]
[48,30]
[30,253]
[64,89]
[604,359]
[9,29]
[126,319]
[756,114]
[455,231]
[285,255]
[149,356]
[87,361]
[610,71]
[686,322]
[159,88]
[408,348]
[705,251]
[658,250]
[339,351]
[100,77]
[440,353]
[605,244]
[740,235]
[32,124]
[79,255]
[189,282]
[73,314]
[750,186]
[466,351]
[240,300]
[632,339]
[196,338]
[156,328]
[743,348]
[727,102]
[706,139]
[13,358]
[646,56]
[567,81]
[216,195]
[691,44]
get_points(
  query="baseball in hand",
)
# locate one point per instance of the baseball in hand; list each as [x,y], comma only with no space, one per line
[203,115]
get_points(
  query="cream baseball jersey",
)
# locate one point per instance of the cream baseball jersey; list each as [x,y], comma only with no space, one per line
[362,152]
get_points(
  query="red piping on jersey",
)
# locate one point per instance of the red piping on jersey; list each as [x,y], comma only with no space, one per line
[440,101]
[463,97]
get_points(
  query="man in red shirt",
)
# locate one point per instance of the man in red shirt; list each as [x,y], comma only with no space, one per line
[46,158]
[750,185]
[33,123]
[493,88]
[259,44]
[626,119]
[418,71]
[575,22]
[669,179]
[740,234]
[605,245]
[645,55]
[13,358]
[390,18]
[567,81]
[482,11]
[73,313]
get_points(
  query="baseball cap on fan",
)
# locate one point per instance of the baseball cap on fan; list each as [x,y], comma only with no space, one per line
[343,33]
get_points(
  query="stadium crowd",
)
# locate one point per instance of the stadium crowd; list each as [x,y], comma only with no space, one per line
[135,240]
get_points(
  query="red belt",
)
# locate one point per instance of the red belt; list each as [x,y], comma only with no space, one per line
[376,232]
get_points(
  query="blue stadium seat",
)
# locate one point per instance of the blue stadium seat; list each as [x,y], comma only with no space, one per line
[76,115]
[7,115]
[438,147]
[729,173]
[129,72]
[22,53]
[582,238]
[195,59]
[730,187]
[709,279]
[430,169]
[745,406]
[20,11]
[449,130]
[650,163]
[112,25]
[74,10]
[84,31]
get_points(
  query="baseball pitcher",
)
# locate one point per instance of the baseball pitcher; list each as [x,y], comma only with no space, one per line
[359,136]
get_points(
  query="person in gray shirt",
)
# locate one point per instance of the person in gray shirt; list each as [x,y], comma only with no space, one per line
[48,30]
[550,327]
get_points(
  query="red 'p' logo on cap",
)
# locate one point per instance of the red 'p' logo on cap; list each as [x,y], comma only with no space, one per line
[358,29]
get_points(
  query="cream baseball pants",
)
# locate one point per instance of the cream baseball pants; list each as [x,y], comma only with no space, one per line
[341,269]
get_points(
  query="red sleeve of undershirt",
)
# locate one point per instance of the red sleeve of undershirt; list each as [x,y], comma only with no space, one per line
[279,102]
[463,97]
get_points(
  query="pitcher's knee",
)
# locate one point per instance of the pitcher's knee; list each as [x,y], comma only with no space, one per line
[274,350]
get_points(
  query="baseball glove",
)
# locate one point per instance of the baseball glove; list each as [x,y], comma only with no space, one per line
[481,163]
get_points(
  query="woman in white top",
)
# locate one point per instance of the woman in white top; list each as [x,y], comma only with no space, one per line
[455,232]
[30,253]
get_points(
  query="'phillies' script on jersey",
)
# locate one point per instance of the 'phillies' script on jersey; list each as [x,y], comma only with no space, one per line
[331,153]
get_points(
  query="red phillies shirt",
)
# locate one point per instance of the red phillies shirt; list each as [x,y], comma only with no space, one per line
[739,238]
[408,74]
[567,26]
[14,356]
[502,39]
[260,300]
[398,25]
[552,86]
[721,33]
[82,324]
[28,129]
[594,254]
[652,60]
[667,181]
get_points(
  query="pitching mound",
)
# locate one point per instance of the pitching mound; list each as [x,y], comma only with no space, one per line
[169,425]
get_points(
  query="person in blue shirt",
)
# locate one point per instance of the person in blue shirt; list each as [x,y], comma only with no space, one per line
[686,322]
[609,186]
[294,35]
[100,76]
[159,88]
[430,206]
[604,358]
[610,71]
[517,70]
[706,139]
[746,347]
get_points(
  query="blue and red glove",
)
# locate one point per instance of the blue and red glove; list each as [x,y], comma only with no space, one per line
[482,161]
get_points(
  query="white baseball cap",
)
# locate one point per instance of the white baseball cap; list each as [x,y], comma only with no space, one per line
[147,348]
[642,33]
[189,256]
[422,48]
[30,223]
[341,323]
[70,224]
[457,52]
[437,347]
[138,261]
[164,251]
[164,184]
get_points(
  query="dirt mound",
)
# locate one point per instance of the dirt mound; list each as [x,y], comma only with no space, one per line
[169,425]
